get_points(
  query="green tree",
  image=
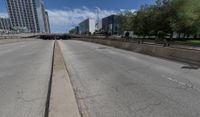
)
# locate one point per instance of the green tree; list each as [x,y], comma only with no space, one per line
[165,17]
[126,21]
[186,17]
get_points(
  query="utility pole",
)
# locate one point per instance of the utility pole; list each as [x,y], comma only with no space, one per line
[98,18]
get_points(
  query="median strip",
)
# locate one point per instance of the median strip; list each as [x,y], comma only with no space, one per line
[62,99]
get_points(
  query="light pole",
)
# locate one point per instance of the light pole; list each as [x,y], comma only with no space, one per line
[98,18]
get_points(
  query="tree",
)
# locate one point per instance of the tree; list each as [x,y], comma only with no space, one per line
[186,17]
[72,31]
[126,21]
[166,16]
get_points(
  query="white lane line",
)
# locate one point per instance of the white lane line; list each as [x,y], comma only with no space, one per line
[188,85]
[174,80]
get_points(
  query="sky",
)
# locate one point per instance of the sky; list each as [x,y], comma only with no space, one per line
[65,14]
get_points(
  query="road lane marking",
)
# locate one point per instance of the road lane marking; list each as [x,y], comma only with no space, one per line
[187,85]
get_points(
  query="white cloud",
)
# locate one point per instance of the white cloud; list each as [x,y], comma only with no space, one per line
[129,10]
[63,20]
[4,15]
[132,10]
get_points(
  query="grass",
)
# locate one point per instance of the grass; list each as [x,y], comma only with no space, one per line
[195,41]
[189,42]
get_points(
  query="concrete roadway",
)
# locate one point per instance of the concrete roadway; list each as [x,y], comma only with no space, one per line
[24,76]
[117,83]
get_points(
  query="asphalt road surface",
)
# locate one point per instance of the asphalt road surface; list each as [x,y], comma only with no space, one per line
[24,76]
[117,83]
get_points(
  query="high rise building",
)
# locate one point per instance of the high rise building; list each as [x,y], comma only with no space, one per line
[27,14]
[47,25]
[5,24]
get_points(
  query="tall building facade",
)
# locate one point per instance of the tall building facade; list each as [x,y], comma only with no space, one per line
[111,24]
[5,24]
[87,26]
[47,24]
[27,14]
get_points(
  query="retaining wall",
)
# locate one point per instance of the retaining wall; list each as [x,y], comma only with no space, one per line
[179,54]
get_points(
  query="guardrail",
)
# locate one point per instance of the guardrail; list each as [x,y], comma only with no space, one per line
[16,36]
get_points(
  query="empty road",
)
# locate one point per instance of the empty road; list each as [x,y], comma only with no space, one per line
[108,82]
[25,69]
[111,82]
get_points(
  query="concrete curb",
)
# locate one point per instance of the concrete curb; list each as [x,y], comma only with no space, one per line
[83,109]
[62,99]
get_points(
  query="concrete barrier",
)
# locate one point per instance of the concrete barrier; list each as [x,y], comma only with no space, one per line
[178,54]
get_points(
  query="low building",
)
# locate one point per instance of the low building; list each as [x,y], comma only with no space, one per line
[111,24]
[5,24]
[87,26]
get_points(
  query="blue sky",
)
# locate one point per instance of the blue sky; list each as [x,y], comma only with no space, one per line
[65,14]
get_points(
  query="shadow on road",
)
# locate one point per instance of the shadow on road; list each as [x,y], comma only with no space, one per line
[190,67]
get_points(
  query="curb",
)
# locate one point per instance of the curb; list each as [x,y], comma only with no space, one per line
[62,101]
